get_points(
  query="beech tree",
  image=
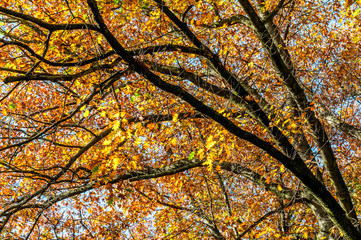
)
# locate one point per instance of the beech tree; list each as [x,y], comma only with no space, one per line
[196,119]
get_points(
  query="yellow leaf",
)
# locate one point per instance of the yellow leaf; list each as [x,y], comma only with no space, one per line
[209,163]
[200,154]
[279,187]
[210,143]
[292,126]
[107,142]
[99,39]
[175,117]
[116,162]
[138,141]
[116,125]
[86,113]
[173,141]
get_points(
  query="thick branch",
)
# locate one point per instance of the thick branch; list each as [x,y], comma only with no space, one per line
[57,78]
[258,179]
[230,21]
[295,165]
[58,64]
[167,48]
[335,122]
[300,98]
[48,26]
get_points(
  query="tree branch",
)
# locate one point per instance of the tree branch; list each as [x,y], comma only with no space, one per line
[48,26]
[300,98]
[236,19]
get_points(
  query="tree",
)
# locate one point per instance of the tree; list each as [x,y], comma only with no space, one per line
[180,119]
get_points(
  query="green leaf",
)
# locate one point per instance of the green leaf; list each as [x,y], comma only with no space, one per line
[116,2]
[110,201]
[191,156]
[95,169]
[12,106]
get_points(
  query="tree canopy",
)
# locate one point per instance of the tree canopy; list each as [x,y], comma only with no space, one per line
[182,119]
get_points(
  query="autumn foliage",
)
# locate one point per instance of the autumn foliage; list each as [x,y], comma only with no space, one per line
[182,119]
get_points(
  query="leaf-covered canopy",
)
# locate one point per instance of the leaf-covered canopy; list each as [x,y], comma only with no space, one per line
[195,119]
